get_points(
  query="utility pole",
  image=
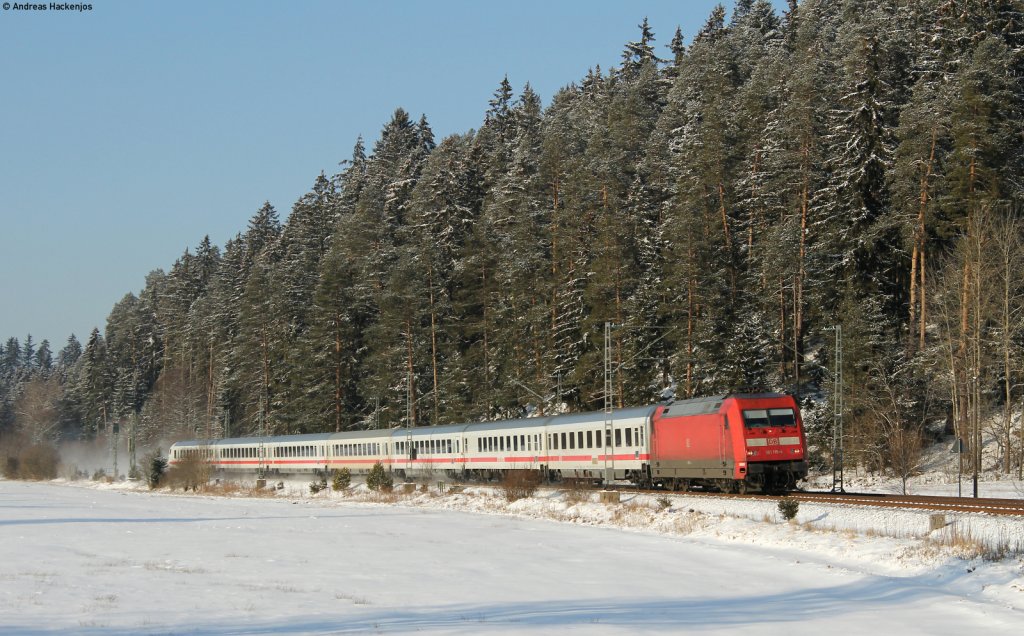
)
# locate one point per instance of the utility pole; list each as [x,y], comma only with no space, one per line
[837,415]
[261,467]
[133,427]
[114,429]
[609,470]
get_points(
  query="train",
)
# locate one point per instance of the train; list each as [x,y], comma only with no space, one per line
[732,443]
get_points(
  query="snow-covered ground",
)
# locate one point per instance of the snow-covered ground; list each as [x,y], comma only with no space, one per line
[116,559]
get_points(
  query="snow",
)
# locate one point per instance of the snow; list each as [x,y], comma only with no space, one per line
[117,559]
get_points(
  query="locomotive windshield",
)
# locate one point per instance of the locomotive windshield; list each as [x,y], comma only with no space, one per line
[763,418]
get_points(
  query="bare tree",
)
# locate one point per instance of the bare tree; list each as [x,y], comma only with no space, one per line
[36,409]
[1002,232]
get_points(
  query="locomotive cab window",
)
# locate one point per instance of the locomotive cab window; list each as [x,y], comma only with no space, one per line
[782,417]
[756,418]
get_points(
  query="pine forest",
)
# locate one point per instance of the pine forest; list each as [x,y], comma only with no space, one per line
[723,203]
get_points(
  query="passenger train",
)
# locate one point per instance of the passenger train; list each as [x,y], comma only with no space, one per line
[733,443]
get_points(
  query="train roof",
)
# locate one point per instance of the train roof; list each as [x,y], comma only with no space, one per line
[286,439]
[427,431]
[617,415]
[711,403]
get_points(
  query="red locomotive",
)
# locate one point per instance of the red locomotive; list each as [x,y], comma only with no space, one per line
[734,443]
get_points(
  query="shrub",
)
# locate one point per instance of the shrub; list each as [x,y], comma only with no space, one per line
[317,486]
[379,479]
[788,508]
[189,473]
[38,461]
[157,466]
[577,491]
[519,484]
[664,502]
[342,479]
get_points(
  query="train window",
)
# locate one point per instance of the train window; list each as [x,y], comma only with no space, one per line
[508,443]
[782,417]
[608,437]
[618,437]
[629,437]
[515,442]
[572,440]
[756,418]
[579,437]
[590,439]
[563,442]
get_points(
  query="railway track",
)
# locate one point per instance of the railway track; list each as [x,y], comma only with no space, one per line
[1008,507]
[1011,507]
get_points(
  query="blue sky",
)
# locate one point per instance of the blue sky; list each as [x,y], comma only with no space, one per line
[131,131]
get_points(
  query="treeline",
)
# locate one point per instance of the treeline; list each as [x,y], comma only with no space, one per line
[724,203]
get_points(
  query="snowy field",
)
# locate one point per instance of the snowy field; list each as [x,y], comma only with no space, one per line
[85,559]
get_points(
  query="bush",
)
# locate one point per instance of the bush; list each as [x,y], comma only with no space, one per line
[317,486]
[157,466]
[788,508]
[39,461]
[189,473]
[379,479]
[520,484]
[342,479]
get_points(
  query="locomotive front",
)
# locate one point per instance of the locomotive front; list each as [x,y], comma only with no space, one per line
[773,441]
